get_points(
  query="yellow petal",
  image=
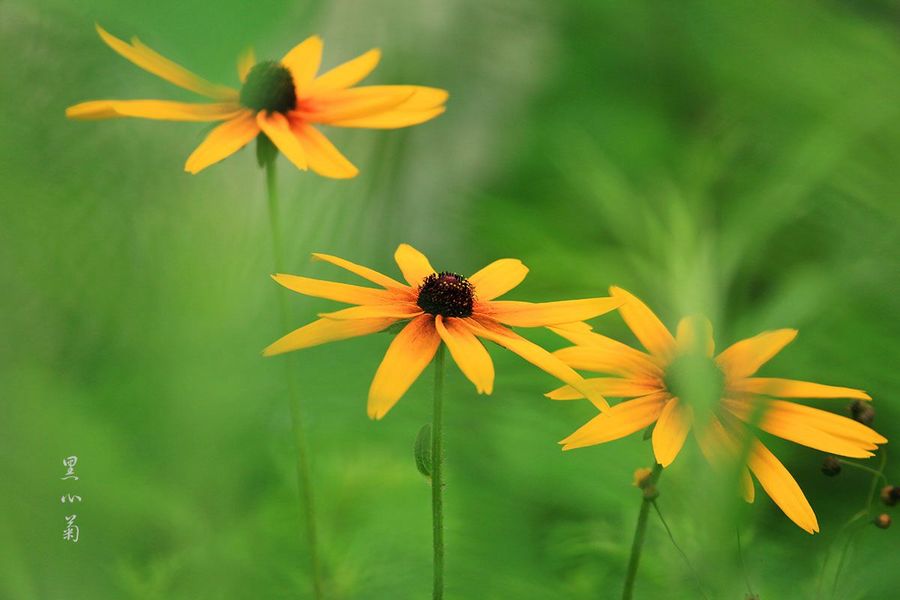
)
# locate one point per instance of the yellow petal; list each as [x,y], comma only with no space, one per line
[498,278]
[420,105]
[748,492]
[351,103]
[222,142]
[406,358]
[373,311]
[326,330]
[608,386]
[744,358]
[645,325]
[339,292]
[163,110]
[791,388]
[468,353]
[622,419]
[277,128]
[600,359]
[303,62]
[413,264]
[671,430]
[151,61]
[484,328]
[323,157]
[790,420]
[626,359]
[246,61]
[364,272]
[346,74]
[781,487]
[392,119]
[695,334]
[538,314]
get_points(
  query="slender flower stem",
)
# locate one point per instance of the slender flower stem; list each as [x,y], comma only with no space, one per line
[869,470]
[437,478]
[303,471]
[683,554]
[638,542]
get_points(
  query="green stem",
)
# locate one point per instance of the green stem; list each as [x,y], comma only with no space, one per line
[437,480]
[878,474]
[295,403]
[683,554]
[641,529]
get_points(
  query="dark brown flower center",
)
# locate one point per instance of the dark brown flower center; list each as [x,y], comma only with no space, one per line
[446,294]
[269,86]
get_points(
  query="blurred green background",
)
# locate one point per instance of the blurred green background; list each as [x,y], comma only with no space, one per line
[734,158]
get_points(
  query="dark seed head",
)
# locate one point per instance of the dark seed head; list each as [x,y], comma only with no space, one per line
[862,412]
[882,521]
[446,294]
[890,495]
[831,466]
[269,86]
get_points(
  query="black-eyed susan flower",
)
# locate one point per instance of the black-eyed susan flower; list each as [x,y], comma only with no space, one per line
[284,100]
[437,307]
[650,381]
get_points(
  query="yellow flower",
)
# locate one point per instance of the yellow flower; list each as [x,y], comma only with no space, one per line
[650,382]
[435,307]
[282,99]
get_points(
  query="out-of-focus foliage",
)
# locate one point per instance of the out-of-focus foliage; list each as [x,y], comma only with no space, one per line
[733,158]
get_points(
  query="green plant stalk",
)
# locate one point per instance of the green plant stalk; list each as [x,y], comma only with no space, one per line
[437,479]
[637,543]
[297,425]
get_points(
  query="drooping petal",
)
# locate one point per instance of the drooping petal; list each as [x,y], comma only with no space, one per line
[413,264]
[791,388]
[406,358]
[695,334]
[392,119]
[163,110]
[324,158]
[353,103]
[617,422]
[671,430]
[246,61]
[425,103]
[222,142]
[277,128]
[326,330]
[303,62]
[331,290]
[490,330]
[498,278]
[744,358]
[782,488]
[645,325]
[811,427]
[539,314]
[364,272]
[468,352]
[162,67]
[372,311]
[345,75]
[599,359]
[609,386]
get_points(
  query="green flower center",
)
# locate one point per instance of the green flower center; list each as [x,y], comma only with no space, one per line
[269,86]
[695,379]
[446,294]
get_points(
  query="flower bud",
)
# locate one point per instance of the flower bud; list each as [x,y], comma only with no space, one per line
[862,412]
[882,521]
[890,495]
[831,466]
[423,450]
[641,477]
